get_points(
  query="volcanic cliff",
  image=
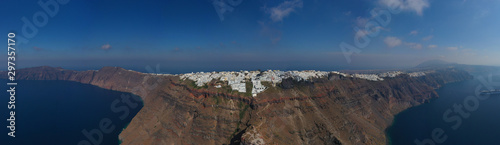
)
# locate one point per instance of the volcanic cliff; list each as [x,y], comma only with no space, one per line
[329,110]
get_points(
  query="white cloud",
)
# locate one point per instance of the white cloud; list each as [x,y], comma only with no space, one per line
[428,38]
[363,32]
[361,22]
[284,9]
[414,32]
[414,45]
[432,46]
[106,47]
[360,33]
[392,41]
[452,48]
[417,6]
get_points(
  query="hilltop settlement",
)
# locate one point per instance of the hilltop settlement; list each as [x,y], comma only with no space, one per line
[237,80]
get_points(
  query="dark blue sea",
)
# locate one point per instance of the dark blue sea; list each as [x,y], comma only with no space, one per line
[457,117]
[59,112]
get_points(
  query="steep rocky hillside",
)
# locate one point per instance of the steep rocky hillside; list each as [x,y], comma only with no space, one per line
[329,110]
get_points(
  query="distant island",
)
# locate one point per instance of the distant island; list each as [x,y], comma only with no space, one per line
[256,107]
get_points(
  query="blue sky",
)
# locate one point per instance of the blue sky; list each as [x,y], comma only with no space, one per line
[194,35]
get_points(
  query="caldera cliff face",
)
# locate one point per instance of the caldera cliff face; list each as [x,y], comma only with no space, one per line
[334,109]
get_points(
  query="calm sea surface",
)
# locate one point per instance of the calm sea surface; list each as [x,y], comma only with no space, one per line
[479,124]
[56,113]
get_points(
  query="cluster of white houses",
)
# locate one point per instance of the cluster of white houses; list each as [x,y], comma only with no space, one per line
[237,80]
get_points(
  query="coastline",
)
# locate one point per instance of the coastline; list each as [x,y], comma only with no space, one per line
[118,79]
[395,120]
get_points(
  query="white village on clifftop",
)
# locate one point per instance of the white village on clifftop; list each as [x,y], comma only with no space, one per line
[237,80]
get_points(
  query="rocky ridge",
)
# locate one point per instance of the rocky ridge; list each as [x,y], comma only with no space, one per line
[331,109]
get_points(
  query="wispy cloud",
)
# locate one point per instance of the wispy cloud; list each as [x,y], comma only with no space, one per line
[37,48]
[428,37]
[417,6]
[414,32]
[361,33]
[468,52]
[284,9]
[361,21]
[392,41]
[452,48]
[432,46]
[414,45]
[348,13]
[481,14]
[176,49]
[106,47]
[268,31]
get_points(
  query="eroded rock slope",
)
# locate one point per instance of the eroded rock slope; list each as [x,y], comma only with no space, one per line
[328,110]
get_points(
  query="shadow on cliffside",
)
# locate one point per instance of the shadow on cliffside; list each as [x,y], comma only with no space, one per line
[236,140]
